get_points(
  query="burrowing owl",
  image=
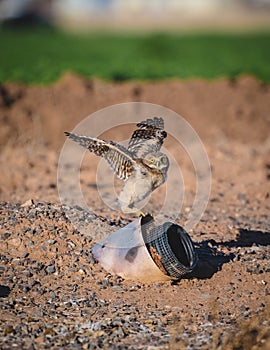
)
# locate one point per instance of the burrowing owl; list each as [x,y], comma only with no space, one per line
[141,165]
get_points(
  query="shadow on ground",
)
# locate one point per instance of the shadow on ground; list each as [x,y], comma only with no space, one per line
[211,259]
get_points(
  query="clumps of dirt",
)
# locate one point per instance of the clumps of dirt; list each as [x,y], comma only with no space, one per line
[218,110]
[157,259]
[9,96]
[56,295]
[52,292]
[253,334]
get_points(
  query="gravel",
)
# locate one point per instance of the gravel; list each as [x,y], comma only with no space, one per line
[55,296]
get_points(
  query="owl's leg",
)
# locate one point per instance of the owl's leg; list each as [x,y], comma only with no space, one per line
[126,200]
[133,191]
[129,208]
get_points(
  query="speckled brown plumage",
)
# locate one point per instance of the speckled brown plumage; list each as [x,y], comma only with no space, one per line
[141,164]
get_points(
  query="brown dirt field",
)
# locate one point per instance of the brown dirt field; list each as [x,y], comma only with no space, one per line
[54,295]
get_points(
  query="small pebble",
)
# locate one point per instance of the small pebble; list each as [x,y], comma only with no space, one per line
[50,269]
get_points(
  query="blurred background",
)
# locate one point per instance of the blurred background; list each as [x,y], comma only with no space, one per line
[138,14]
[122,40]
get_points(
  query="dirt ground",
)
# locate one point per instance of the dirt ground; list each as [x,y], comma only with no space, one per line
[54,295]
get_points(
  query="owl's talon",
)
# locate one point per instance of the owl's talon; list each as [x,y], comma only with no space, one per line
[145,215]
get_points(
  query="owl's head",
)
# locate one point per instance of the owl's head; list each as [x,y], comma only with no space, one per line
[157,160]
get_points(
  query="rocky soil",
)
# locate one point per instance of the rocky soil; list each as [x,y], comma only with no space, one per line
[54,295]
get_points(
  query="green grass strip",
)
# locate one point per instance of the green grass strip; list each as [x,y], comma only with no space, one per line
[42,56]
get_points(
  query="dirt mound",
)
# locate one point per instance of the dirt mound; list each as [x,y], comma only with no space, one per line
[53,295]
[237,110]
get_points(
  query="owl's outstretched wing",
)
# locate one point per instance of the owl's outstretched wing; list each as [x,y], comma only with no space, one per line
[118,157]
[149,137]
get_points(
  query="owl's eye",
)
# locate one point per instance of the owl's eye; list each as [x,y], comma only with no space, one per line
[152,160]
[163,160]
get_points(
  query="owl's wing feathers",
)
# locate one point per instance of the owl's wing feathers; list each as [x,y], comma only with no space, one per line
[118,157]
[155,123]
[144,139]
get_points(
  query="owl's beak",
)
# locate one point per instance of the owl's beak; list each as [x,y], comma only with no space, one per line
[145,252]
